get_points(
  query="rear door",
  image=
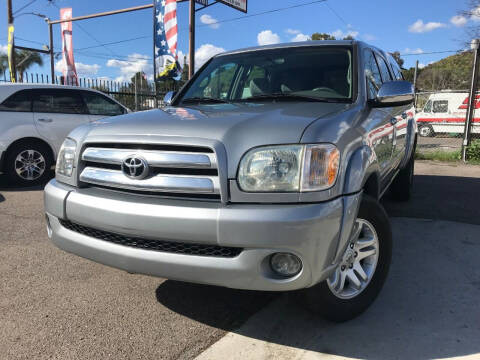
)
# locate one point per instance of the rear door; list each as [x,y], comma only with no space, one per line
[56,112]
[378,126]
[100,106]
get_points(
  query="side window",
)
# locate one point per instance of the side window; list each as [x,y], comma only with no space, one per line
[428,107]
[383,68]
[20,101]
[58,101]
[440,106]
[217,85]
[397,72]
[374,80]
[98,104]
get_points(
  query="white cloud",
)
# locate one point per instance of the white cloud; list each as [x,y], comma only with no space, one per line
[204,53]
[459,20]
[128,68]
[339,34]
[420,27]
[3,49]
[267,37]
[292,31]
[421,66]
[209,20]
[301,37]
[413,51]
[475,14]
[83,70]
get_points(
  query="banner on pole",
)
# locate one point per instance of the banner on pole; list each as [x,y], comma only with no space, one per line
[10,53]
[69,71]
[236,4]
[166,33]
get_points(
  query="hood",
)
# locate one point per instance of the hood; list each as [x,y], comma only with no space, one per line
[239,127]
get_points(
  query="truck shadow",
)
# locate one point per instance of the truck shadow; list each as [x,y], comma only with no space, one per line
[7,187]
[427,309]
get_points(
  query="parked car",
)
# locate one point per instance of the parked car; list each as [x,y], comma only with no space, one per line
[34,121]
[264,172]
[446,112]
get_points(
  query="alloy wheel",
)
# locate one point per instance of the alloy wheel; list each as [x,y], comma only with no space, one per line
[30,165]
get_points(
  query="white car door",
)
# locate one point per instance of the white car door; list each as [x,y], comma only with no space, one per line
[57,112]
[100,106]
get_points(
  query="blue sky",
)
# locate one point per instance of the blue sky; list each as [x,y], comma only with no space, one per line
[414,27]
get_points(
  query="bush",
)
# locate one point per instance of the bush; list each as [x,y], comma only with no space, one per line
[473,150]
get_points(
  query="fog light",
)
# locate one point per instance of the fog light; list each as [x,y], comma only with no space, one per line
[285,264]
[49,227]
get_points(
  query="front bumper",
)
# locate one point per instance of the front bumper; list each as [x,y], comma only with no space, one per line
[316,233]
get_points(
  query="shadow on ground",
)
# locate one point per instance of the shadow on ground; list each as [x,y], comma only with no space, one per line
[2,199]
[440,197]
[7,187]
[427,309]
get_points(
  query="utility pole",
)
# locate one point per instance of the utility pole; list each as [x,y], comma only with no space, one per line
[191,67]
[52,59]
[475,45]
[10,22]
[415,83]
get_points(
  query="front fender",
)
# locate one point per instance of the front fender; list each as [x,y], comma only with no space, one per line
[363,163]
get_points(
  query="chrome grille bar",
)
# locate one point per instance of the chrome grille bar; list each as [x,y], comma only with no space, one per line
[158,183]
[165,159]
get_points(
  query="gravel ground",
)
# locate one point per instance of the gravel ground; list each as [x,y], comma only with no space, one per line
[54,305]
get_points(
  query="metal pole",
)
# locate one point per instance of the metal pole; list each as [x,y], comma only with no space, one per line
[10,22]
[136,101]
[471,103]
[52,59]
[191,67]
[155,100]
[415,83]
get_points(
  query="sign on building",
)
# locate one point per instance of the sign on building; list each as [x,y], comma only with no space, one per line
[236,4]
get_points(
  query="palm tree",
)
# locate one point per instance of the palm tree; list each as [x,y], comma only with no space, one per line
[24,60]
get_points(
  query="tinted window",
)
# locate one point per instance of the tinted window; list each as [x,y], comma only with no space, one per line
[58,101]
[440,106]
[20,101]
[98,104]
[374,80]
[383,69]
[428,107]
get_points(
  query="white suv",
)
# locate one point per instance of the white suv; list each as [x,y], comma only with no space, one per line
[34,121]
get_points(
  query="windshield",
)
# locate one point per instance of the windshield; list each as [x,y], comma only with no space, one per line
[314,73]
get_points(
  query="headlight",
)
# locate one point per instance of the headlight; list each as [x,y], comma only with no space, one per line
[66,158]
[289,168]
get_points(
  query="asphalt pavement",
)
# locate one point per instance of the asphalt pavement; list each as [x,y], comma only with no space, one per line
[54,305]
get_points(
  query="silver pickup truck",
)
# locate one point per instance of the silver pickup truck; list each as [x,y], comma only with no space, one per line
[264,172]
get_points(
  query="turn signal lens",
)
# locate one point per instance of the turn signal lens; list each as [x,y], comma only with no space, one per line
[320,167]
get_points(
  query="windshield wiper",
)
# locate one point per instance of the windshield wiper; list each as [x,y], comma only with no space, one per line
[198,100]
[276,96]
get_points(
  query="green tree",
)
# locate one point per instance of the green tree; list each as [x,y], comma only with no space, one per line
[349,37]
[322,36]
[24,60]
[409,74]
[398,58]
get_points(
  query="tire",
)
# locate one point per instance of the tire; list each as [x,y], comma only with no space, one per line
[36,160]
[426,131]
[402,185]
[322,300]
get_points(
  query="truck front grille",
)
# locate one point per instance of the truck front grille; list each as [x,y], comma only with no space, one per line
[170,169]
[155,245]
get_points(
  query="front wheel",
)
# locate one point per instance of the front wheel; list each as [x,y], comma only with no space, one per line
[362,271]
[426,131]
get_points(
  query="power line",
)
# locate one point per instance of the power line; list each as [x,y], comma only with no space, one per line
[261,13]
[337,14]
[23,7]
[433,52]
[115,42]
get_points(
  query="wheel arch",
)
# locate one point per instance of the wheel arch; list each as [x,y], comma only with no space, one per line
[363,173]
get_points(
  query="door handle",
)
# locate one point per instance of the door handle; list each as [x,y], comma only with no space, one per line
[45,120]
[393,121]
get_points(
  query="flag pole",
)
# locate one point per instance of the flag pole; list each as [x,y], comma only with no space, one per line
[154,62]
[191,66]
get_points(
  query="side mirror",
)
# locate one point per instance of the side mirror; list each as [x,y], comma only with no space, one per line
[395,93]
[167,100]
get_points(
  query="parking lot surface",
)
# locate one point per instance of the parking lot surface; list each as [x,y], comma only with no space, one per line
[56,305]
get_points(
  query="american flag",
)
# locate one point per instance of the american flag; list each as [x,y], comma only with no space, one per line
[166,31]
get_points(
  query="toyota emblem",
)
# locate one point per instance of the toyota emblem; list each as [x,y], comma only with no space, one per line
[135,167]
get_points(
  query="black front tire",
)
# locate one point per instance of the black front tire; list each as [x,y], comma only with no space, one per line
[321,300]
[41,156]
[426,131]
